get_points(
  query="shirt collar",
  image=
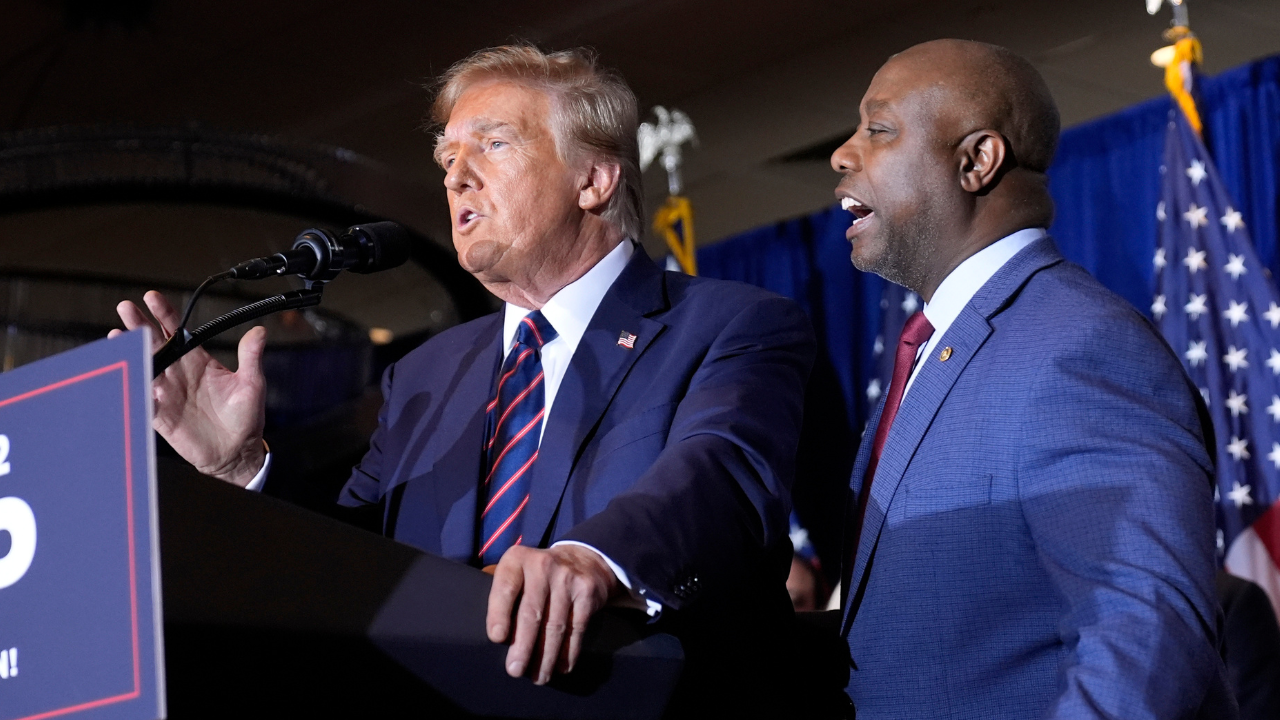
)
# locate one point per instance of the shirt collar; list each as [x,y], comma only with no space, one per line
[958,288]
[570,310]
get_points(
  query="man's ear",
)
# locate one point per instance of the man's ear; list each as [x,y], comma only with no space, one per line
[982,157]
[599,184]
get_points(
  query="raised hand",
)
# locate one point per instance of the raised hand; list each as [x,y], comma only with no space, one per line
[211,416]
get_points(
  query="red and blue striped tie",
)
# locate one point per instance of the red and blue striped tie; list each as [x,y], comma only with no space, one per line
[514,431]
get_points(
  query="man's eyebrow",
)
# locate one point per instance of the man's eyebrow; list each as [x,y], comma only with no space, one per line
[483,126]
[486,125]
[874,106]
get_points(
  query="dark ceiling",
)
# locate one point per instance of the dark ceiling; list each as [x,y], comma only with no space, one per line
[768,84]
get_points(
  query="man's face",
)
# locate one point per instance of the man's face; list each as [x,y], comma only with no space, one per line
[513,200]
[898,175]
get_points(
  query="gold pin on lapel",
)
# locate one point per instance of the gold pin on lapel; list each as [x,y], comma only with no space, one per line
[945,355]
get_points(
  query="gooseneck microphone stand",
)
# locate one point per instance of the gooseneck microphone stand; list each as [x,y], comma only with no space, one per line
[317,256]
[184,341]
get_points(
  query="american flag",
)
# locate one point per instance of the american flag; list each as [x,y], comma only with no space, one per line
[627,340]
[1219,310]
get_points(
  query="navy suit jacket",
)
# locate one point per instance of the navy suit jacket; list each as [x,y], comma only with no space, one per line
[1039,540]
[675,458]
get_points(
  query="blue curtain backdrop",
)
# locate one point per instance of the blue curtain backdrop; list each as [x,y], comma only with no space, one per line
[1105,181]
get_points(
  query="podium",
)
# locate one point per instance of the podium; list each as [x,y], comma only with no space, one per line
[131,594]
[271,611]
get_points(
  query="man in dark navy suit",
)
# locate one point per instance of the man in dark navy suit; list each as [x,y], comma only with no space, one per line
[615,434]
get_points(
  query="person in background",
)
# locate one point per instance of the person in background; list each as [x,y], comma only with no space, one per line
[1251,647]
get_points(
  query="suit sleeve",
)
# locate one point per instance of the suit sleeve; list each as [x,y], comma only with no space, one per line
[699,523]
[363,487]
[1116,488]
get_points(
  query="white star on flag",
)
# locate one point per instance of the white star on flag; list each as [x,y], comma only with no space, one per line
[879,346]
[1159,261]
[1197,216]
[1274,408]
[1240,495]
[1235,358]
[1196,172]
[1239,449]
[1195,307]
[1274,455]
[1236,313]
[1222,539]
[1197,354]
[1235,268]
[799,536]
[1236,404]
[873,390]
[1158,307]
[1273,362]
[1273,315]
[1232,220]
[1195,260]
[1160,212]
[910,303]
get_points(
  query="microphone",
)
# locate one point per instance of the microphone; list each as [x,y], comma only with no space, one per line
[319,255]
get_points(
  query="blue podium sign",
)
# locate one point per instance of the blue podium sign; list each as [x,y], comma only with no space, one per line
[80,616]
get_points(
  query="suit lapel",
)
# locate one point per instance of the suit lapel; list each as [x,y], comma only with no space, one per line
[592,379]
[965,337]
[456,473]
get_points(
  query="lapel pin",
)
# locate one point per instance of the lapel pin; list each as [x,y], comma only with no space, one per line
[627,340]
[945,355]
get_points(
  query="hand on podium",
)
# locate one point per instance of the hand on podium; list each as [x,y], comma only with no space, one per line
[558,590]
[211,416]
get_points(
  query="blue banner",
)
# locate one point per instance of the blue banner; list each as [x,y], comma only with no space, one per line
[80,616]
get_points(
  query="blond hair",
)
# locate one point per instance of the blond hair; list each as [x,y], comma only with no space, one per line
[593,112]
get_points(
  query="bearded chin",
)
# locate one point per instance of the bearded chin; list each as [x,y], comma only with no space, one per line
[908,254]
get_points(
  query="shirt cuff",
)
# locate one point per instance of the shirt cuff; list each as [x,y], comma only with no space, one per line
[651,607]
[255,485]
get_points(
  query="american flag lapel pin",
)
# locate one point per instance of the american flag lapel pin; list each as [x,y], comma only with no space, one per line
[627,340]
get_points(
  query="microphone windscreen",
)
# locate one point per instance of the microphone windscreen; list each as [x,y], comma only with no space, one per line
[386,246]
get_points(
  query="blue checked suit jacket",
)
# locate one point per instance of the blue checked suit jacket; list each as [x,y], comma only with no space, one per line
[1039,540]
[674,458]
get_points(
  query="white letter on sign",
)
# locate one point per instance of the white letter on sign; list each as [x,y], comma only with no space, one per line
[16,517]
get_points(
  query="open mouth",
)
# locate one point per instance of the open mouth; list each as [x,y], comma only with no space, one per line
[466,218]
[861,213]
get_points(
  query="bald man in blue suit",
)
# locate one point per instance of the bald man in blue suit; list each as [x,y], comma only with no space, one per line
[1031,518]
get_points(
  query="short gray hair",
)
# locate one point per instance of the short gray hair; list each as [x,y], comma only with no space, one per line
[593,111]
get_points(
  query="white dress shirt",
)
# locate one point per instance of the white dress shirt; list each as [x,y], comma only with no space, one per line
[569,311]
[958,288]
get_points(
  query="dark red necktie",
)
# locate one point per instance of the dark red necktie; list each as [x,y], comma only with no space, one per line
[915,333]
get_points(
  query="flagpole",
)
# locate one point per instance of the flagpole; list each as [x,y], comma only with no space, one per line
[674,220]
